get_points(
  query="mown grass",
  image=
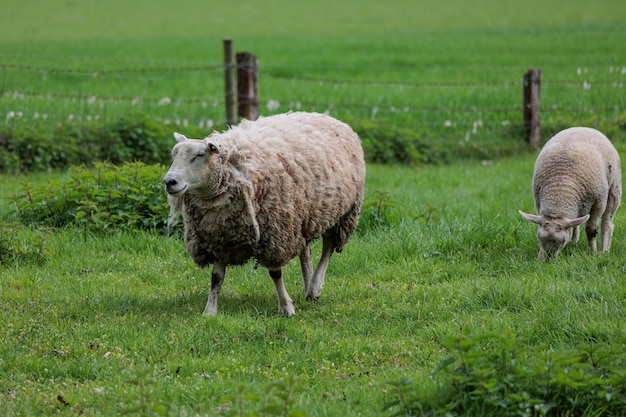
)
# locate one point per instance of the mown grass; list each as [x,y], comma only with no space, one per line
[446,70]
[110,322]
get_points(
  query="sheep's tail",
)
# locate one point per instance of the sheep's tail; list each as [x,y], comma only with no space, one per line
[345,227]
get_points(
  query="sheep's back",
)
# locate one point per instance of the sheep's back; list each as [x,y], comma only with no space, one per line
[307,171]
[575,169]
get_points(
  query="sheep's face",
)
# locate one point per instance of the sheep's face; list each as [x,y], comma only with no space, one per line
[196,164]
[553,234]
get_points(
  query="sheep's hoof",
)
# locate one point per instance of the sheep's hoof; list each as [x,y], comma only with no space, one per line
[209,311]
[312,298]
[287,311]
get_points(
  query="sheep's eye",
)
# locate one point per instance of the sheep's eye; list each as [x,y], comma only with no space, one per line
[200,155]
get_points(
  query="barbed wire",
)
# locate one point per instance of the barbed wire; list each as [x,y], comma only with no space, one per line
[319,80]
[96,72]
[215,102]
[371,109]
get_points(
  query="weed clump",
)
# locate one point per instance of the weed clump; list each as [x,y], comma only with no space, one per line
[491,376]
[106,198]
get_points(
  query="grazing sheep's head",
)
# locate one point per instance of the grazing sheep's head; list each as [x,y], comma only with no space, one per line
[553,234]
[196,164]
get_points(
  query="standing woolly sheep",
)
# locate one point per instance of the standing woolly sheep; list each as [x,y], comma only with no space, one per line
[577,178]
[265,190]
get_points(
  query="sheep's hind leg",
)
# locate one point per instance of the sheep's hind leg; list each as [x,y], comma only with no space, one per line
[606,224]
[606,231]
[306,266]
[285,304]
[217,279]
[591,230]
[316,284]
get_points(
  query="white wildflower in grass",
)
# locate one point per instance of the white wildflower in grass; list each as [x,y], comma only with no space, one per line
[10,115]
[295,105]
[165,101]
[476,125]
[586,85]
[447,123]
[273,105]
[92,100]
[374,112]
[70,117]
[135,101]
[506,122]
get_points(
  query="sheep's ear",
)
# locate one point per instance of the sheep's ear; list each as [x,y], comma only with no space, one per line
[533,218]
[577,221]
[179,137]
[211,147]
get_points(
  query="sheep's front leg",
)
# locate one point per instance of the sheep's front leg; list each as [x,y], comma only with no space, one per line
[285,304]
[306,266]
[314,289]
[217,279]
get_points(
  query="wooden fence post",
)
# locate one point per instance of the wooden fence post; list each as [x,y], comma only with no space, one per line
[532,130]
[229,83]
[247,86]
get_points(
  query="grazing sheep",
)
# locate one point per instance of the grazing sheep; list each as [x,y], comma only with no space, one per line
[577,178]
[265,190]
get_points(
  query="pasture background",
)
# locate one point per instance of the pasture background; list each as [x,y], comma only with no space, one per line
[111,323]
[450,72]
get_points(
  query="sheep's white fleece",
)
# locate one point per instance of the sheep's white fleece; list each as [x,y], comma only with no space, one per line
[577,178]
[265,190]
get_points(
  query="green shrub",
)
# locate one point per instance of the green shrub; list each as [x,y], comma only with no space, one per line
[490,376]
[105,198]
[126,139]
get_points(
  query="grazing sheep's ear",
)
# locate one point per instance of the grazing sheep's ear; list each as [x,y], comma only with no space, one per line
[179,137]
[531,217]
[577,221]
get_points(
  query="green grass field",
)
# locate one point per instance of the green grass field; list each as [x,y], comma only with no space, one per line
[452,70]
[112,325]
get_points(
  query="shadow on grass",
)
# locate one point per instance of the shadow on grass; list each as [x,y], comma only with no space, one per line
[189,303]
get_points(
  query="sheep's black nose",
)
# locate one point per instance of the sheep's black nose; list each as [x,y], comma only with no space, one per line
[170,182]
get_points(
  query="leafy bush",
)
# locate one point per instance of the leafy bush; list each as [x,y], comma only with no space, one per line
[19,244]
[126,139]
[102,199]
[501,381]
